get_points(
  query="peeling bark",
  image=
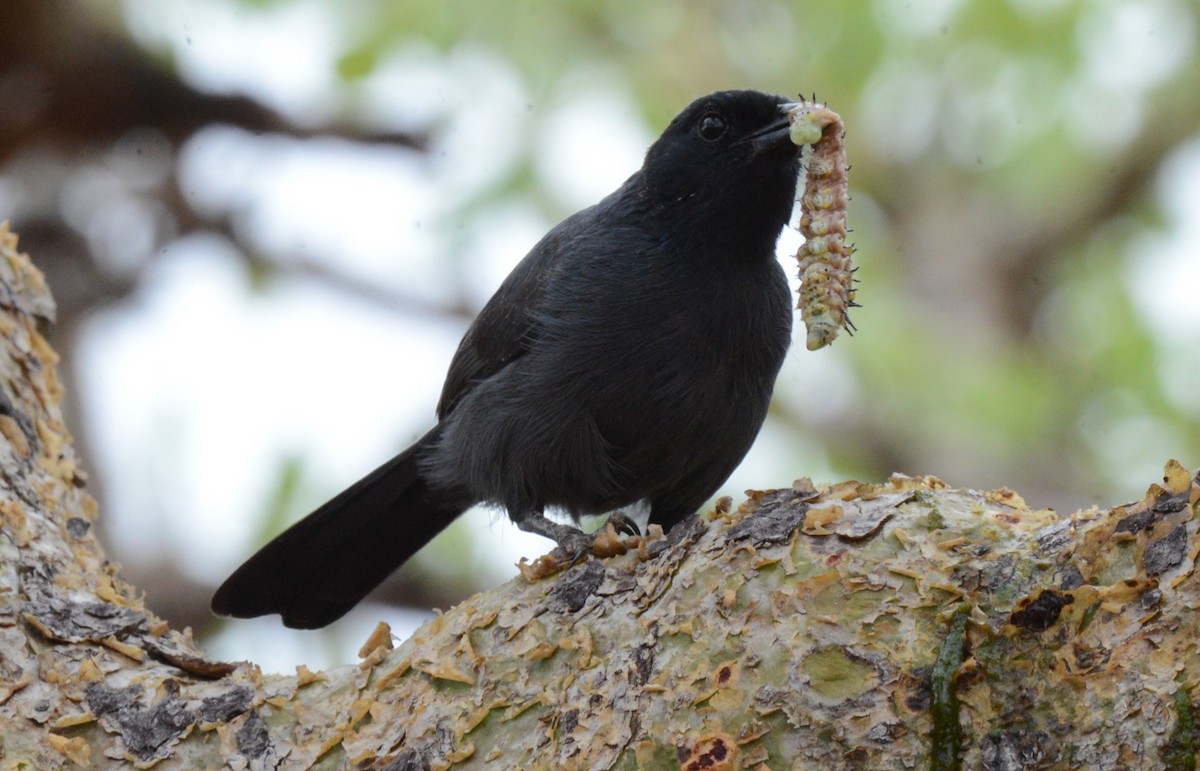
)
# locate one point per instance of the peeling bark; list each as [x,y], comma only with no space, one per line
[851,626]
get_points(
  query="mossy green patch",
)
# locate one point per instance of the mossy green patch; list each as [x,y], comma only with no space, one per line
[946,738]
[1179,753]
[836,675]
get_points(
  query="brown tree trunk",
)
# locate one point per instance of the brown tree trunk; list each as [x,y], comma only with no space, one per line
[896,625]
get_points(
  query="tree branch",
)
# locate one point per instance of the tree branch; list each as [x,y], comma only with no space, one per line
[855,626]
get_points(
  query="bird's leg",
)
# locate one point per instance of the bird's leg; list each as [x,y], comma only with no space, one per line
[573,543]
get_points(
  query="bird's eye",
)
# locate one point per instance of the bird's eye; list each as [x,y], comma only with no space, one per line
[712,128]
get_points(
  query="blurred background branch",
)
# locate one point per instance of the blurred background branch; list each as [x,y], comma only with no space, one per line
[266,222]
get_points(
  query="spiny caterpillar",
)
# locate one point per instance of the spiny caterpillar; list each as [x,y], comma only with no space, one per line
[826,275]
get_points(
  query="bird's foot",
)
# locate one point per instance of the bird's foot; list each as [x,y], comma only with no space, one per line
[573,543]
[573,548]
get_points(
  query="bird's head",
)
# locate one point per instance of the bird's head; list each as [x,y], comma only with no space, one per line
[728,156]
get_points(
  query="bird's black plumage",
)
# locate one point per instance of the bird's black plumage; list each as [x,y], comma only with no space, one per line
[630,357]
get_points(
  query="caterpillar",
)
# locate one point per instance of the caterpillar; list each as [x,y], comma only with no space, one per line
[826,273]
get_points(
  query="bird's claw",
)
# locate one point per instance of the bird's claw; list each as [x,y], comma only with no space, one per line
[572,547]
[624,525]
[573,543]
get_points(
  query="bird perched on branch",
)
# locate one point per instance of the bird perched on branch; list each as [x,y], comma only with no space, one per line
[629,359]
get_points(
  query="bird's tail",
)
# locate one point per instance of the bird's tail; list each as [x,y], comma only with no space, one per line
[322,566]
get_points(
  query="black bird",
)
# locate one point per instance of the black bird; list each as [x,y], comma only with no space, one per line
[628,359]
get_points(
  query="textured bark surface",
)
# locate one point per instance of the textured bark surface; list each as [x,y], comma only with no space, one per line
[900,625]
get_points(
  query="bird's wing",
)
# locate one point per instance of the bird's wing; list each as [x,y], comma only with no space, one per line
[506,327]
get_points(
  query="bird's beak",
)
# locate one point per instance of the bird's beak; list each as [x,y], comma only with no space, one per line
[774,134]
